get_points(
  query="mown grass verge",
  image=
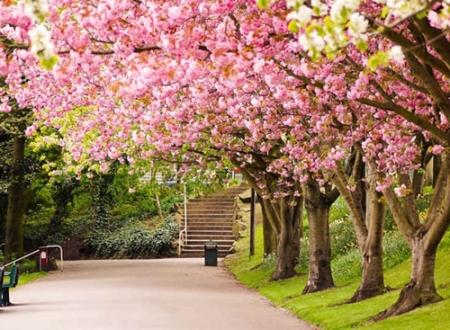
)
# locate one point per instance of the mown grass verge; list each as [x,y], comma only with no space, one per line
[325,310]
[30,277]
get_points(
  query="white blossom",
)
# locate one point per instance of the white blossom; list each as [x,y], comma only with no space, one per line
[293,3]
[396,54]
[302,15]
[40,40]
[357,25]
[338,6]
[320,8]
[312,42]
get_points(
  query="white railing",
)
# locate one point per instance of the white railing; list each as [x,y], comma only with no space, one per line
[180,242]
[21,258]
[36,252]
[183,236]
[185,213]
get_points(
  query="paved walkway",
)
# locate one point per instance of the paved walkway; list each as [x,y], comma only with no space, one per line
[141,294]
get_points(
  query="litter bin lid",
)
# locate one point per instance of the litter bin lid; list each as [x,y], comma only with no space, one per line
[210,245]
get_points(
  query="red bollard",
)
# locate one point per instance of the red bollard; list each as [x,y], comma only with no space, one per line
[44,264]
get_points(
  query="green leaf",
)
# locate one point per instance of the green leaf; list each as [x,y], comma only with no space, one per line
[422,14]
[378,59]
[384,12]
[293,27]
[361,45]
[263,4]
[48,63]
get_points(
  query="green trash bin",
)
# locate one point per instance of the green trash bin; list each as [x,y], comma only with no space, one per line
[211,253]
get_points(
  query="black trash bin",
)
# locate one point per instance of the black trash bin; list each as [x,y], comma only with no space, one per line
[211,253]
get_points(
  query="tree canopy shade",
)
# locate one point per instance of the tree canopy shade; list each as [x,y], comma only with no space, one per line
[209,80]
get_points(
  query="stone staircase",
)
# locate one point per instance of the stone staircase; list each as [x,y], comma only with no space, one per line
[210,218]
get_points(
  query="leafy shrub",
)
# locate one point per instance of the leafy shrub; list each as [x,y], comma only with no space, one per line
[347,267]
[395,249]
[170,202]
[303,262]
[28,266]
[133,240]
[339,210]
[343,238]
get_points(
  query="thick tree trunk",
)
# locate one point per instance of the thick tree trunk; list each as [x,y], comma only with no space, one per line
[372,279]
[318,211]
[368,218]
[16,201]
[288,246]
[269,235]
[421,289]
[423,238]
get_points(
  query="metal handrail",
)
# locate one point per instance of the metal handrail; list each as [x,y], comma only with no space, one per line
[185,212]
[36,252]
[182,236]
[180,241]
[20,259]
[61,253]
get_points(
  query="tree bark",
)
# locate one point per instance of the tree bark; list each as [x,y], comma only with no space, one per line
[284,214]
[368,218]
[318,211]
[423,238]
[436,168]
[14,235]
[421,289]
[269,234]
[372,279]
[418,180]
[287,213]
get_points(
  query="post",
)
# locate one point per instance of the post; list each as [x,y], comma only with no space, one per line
[252,223]
[185,213]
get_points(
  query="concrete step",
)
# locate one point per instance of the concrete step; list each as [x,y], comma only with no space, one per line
[201,247]
[213,199]
[221,242]
[200,254]
[208,215]
[213,227]
[206,222]
[208,236]
[209,220]
[209,208]
[212,232]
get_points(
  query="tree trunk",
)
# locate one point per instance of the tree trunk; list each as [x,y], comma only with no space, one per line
[318,211]
[421,289]
[16,201]
[423,237]
[368,217]
[269,235]
[418,180]
[436,168]
[372,279]
[288,247]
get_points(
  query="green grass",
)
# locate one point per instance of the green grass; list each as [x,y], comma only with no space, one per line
[30,277]
[322,308]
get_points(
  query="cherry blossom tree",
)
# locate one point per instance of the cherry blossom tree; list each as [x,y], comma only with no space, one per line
[222,78]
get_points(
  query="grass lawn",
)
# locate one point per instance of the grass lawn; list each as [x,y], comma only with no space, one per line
[322,308]
[31,277]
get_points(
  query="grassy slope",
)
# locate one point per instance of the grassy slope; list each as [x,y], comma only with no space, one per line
[29,277]
[319,308]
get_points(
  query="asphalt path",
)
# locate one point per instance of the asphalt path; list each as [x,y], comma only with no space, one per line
[142,294]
